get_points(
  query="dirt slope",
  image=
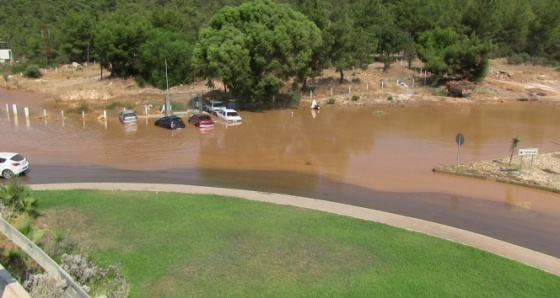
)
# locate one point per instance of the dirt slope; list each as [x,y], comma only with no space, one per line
[68,87]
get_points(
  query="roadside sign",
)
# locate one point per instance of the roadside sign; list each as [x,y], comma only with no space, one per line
[460,139]
[528,151]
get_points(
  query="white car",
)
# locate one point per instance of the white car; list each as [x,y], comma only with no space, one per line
[12,164]
[213,106]
[228,115]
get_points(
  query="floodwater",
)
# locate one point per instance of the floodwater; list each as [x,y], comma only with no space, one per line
[388,151]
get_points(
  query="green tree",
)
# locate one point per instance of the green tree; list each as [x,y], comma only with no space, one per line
[348,46]
[391,41]
[445,53]
[256,47]
[117,38]
[161,46]
[77,42]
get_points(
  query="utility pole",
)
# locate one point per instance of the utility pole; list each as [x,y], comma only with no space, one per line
[167,105]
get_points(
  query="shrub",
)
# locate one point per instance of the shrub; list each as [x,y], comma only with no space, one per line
[82,107]
[390,98]
[356,80]
[118,104]
[355,98]
[438,92]
[32,71]
[331,101]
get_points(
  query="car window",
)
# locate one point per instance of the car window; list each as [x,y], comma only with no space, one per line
[2,160]
[204,117]
[233,114]
[17,157]
[218,105]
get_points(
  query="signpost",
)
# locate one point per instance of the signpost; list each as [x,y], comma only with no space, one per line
[528,152]
[460,139]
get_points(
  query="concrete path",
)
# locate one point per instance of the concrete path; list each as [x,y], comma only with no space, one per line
[523,255]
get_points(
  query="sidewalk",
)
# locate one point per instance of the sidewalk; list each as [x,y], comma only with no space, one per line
[523,255]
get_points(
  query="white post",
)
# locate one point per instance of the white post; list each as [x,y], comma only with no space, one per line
[381,85]
[311,94]
[412,83]
[105,114]
[14,109]
[146,109]
[349,89]
[26,112]
[83,115]
[45,113]
[7,108]
[331,91]
[62,113]
[367,86]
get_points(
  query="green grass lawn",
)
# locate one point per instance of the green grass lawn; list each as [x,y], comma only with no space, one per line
[177,245]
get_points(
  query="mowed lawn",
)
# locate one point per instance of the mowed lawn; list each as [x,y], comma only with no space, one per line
[186,245]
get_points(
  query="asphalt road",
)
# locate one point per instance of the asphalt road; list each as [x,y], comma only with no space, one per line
[532,230]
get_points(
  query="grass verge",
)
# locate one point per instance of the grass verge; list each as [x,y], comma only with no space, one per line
[176,245]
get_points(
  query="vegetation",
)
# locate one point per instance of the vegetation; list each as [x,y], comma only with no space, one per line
[257,47]
[177,245]
[19,208]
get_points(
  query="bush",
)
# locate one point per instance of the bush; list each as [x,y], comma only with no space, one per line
[356,80]
[331,101]
[118,104]
[32,71]
[390,98]
[82,107]
[355,98]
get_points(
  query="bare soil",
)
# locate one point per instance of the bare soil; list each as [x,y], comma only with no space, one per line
[71,87]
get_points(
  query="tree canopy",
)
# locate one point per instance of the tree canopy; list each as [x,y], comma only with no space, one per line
[256,47]
[446,53]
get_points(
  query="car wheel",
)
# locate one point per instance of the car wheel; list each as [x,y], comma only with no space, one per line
[7,174]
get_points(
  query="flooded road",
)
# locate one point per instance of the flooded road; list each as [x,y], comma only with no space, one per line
[378,158]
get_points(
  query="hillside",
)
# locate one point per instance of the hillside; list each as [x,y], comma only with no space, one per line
[69,87]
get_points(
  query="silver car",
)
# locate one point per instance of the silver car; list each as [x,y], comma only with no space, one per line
[128,117]
[12,164]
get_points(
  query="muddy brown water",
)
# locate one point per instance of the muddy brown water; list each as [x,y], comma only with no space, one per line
[375,157]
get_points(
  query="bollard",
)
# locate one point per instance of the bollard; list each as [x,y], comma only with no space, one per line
[26,112]
[62,114]
[381,85]
[146,109]
[105,114]
[311,94]
[367,86]
[14,109]
[45,113]
[83,114]
[331,91]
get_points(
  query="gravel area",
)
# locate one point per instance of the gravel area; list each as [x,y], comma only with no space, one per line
[541,171]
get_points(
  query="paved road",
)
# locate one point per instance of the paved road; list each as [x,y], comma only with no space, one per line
[531,229]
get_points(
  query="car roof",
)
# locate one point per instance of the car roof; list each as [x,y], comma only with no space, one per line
[7,154]
[215,101]
[128,111]
[229,110]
